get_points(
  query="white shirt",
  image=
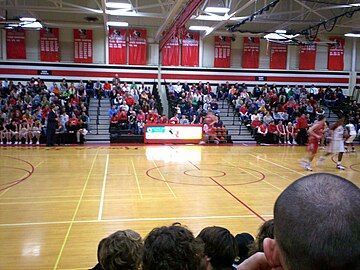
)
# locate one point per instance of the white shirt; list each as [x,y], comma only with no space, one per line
[351,128]
[338,134]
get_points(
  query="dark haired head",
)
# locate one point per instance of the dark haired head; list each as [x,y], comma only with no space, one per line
[317,225]
[220,247]
[121,250]
[321,117]
[172,248]
[265,231]
[244,241]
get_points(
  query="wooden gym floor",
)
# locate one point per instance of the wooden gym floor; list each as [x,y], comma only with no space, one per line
[57,204]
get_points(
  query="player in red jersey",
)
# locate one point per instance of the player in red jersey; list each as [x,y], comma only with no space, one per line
[209,130]
[315,132]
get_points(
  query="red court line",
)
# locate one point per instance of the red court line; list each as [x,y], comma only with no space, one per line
[16,182]
[232,195]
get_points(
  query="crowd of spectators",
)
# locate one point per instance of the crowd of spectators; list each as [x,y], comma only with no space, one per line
[25,107]
[323,235]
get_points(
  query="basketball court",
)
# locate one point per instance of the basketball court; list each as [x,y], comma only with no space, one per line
[58,203]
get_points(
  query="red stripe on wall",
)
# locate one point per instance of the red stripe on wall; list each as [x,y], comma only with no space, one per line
[18,71]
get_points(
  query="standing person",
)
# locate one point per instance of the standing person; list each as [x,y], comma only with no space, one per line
[301,126]
[352,132]
[51,126]
[315,134]
[336,145]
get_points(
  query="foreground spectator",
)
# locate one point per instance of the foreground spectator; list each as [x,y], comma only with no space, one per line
[316,226]
[220,248]
[265,231]
[121,250]
[172,248]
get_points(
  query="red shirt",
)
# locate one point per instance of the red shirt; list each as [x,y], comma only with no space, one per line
[174,120]
[140,117]
[262,128]
[255,123]
[163,120]
[122,116]
[73,121]
[272,128]
[129,101]
[152,118]
[302,122]
[243,110]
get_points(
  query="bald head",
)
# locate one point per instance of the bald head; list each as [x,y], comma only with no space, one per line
[317,223]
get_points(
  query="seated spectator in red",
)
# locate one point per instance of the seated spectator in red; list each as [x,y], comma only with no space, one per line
[129,100]
[152,117]
[163,119]
[254,125]
[273,135]
[73,124]
[140,116]
[262,131]
[174,120]
[122,116]
[280,127]
[114,120]
[301,126]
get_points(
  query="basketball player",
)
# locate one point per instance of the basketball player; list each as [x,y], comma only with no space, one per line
[352,132]
[336,145]
[209,130]
[315,134]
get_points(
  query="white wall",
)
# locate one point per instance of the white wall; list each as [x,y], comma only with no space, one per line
[67,50]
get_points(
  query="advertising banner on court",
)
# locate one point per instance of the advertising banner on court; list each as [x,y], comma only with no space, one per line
[83,46]
[15,44]
[172,133]
[307,57]
[49,45]
[117,46]
[190,49]
[278,56]
[222,56]
[137,46]
[251,52]
[336,53]
[171,53]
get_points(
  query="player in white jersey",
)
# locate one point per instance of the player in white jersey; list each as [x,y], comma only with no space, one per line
[336,145]
[352,135]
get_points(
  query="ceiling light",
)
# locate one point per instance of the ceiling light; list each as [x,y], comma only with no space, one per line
[31,25]
[200,28]
[355,5]
[123,24]
[216,18]
[280,31]
[275,36]
[121,12]
[238,18]
[353,34]
[25,19]
[217,9]
[118,5]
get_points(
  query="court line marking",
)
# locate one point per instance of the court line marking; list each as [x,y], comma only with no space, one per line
[101,206]
[231,194]
[237,166]
[6,190]
[137,179]
[162,176]
[130,220]
[75,213]
[278,165]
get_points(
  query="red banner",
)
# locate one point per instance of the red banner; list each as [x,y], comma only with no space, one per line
[336,54]
[171,53]
[49,45]
[222,56]
[137,47]
[15,44]
[278,56]
[251,51]
[307,57]
[117,46]
[83,46]
[190,49]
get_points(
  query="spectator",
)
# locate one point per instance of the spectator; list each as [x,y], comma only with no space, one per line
[172,248]
[265,231]
[244,241]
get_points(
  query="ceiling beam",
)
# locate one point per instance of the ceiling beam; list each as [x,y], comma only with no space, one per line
[310,9]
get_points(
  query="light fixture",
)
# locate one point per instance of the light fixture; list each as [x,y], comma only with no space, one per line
[122,24]
[120,12]
[217,18]
[125,6]
[27,19]
[355,5]
[35,24]
[353,34]
[199,28]
[217,9]
[280,31]
[276,36]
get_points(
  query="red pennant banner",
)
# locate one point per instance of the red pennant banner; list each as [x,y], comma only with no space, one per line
[117,46]
[222,56]
[190,49]
[137,47]
[278,56]
[336,53]
[83,46]
[15,44]
[49,45]
[307,57]
[251,52]
[171,53]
